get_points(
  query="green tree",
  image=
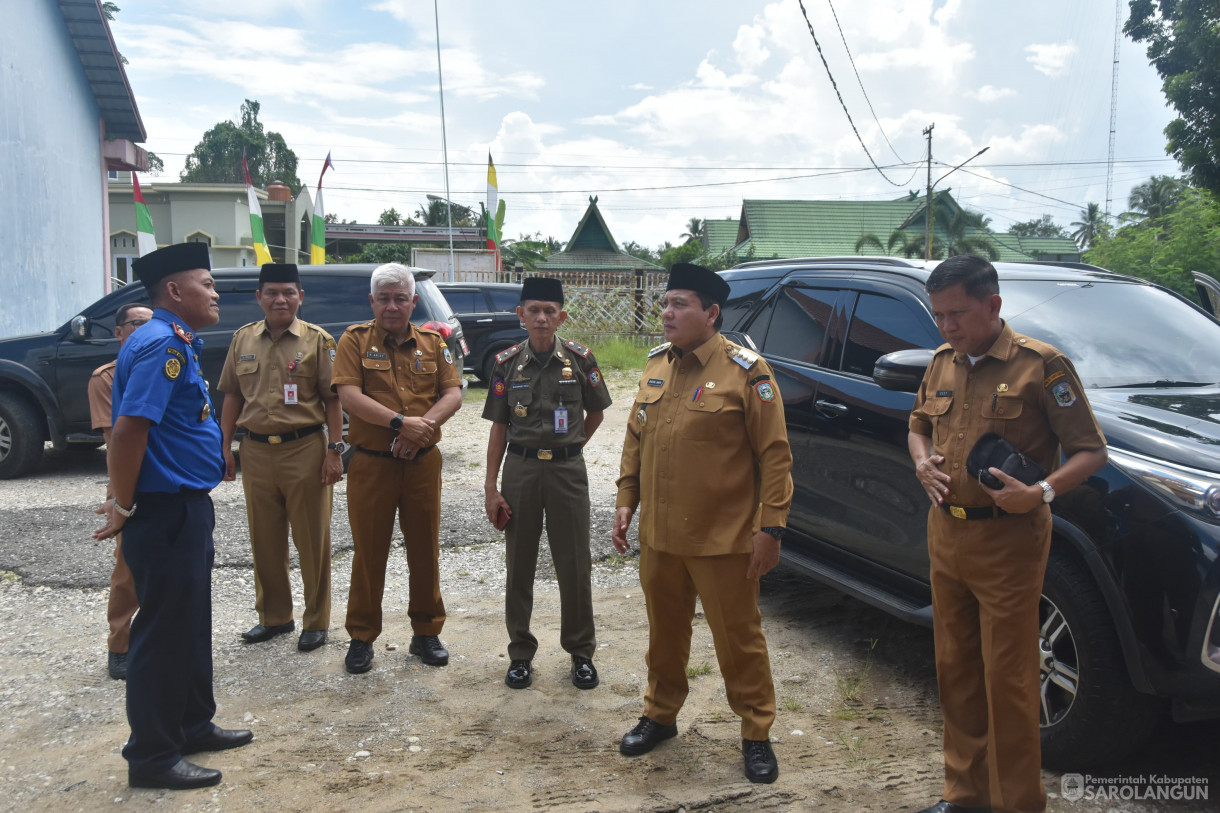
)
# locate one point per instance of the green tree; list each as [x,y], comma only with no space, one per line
[554,245]
[109,10]
[639,252]
[389,217]
[382,253]
[528,250]
[436,214]
[1183,44]
[899,242]
[1044,226]
[1089,226]
[694,230]
[689,252]
[1154,198]
[217,156]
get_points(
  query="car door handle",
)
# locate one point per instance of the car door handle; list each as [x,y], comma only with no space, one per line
[831,406]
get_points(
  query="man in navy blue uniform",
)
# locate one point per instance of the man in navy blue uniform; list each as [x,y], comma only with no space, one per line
[164,458]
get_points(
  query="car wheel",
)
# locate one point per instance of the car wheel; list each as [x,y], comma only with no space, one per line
[21,436]
[1091,714]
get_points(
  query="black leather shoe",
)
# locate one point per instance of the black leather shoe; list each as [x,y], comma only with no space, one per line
[221,739]
[645,736]
[519,675]
[258,633]
[183,776]
[359,657]
[948,807]
[584,673]
[116,665]
[311,640]
[761,765]
[429,650]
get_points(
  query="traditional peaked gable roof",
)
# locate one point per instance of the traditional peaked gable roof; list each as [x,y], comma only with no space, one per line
[592,248]
[720,236]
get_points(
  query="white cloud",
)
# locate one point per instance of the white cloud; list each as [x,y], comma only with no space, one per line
[640,86]
[750,48]
[989,93]
[1051,58]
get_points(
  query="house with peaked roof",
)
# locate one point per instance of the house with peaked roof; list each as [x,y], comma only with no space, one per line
[592,249]
[719,236]
[835,228]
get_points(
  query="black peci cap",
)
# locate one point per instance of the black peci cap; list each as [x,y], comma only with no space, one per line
[159,264]
[278,272]
[542,289]
[691,277]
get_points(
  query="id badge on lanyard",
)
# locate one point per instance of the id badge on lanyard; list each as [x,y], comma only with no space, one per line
[561,421]
[290,394]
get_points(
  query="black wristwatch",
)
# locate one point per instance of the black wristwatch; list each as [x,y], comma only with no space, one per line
[396,422]
[341,447]
[775,531]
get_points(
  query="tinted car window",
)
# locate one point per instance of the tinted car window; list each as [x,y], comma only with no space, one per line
[745,294]
[465,301]
[799,323]
[335,299]
[502,300]
[881,325]
[1116,334]
[238,307]
[431,305]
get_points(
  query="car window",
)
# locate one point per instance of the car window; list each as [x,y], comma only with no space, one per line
[335,299]
[465,301]
[799,323]
[880,325]
[238,307]
[746,293]
[431,305]
[503,299]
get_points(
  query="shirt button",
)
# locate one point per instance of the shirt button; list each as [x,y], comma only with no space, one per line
[955,465]
[668,420]
[702,404]
[965,406]
[999,412]
[960,435]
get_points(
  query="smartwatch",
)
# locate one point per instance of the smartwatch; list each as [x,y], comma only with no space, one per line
[396,422]
[775,531]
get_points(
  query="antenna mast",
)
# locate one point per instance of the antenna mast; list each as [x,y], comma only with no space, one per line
[1118,33]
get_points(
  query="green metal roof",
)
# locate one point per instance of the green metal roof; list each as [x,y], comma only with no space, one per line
[720,236]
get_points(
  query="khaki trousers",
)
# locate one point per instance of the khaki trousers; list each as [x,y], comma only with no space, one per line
[730,604]
[377,489]
[986,583]
[283,485]
[122,603]
[560,490]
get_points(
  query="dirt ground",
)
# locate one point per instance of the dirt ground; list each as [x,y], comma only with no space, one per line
[857,729]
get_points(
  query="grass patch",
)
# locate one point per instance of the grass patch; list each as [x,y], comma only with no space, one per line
[619,560]
[794,704]
[704,668]
[614,353]
[850,685]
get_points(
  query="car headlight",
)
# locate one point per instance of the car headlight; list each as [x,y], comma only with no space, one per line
[1190,489]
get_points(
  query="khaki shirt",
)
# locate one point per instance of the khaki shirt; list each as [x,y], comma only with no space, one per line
[525,394]
[257,367]
[407,378]
[706,455]
[101,383]
[1022,389]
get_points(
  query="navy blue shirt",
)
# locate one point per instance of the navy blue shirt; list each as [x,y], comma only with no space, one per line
[159,377]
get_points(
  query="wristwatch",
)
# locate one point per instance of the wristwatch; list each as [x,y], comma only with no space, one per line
[775,531]
[396,422]
[124,512]
[1048,491]
[341,447]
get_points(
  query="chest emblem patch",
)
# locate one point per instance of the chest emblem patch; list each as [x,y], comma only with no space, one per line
[173,369]
[765,391]
[1065,396]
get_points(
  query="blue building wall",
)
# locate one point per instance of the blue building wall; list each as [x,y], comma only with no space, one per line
[51,174]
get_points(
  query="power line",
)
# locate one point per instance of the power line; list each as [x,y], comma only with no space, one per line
[860,81]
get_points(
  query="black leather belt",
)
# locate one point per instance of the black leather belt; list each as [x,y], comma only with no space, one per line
[275,440]
[982,512]
[546,454]
[374,453]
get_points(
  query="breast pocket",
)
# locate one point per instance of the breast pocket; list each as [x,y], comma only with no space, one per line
[378,376]
[706,418]
[938,410]
[520,406]
[423,377]
[1002,411]
[640,418]
[569,394]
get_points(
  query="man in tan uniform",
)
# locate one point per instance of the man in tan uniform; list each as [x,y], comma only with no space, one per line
[988,547]
[706,457]
[122,603]
[546,400]
[276,381]
[398,384]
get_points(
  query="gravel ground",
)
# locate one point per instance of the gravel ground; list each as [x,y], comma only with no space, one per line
[858,725]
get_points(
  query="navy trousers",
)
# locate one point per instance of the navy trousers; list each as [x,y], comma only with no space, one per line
[168,546]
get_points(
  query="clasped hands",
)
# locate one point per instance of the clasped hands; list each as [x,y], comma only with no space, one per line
[414,435]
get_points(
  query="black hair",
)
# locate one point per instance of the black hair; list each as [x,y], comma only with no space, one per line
[120,316]
[706,301]
[974,273]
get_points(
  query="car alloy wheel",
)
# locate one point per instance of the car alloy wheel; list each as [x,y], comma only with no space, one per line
[1059,664]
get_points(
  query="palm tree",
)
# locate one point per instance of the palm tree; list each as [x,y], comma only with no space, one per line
[961,243]
[899,242]
[1156,197]
[436,214]
[1090,224]
[694,230]
[525,250]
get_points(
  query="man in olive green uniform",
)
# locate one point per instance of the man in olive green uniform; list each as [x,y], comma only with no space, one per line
[276,381]
[546,399]
[398,384]
[706,458]
[988,547]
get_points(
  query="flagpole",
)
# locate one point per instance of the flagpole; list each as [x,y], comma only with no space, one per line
[444,143]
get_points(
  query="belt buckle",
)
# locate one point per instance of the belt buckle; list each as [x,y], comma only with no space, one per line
[545,454]
[274,440]
[957,511]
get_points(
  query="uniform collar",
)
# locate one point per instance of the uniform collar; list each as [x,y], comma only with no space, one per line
[1000,349]
[294,328]
[703,352]
[558,351]
[389,341]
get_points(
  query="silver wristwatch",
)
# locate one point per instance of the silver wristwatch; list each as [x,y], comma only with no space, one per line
[124,512]
[1048,491]
[339,446]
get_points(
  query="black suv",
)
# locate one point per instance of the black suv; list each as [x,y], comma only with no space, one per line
[488,313]
[1131,600]
[44,377]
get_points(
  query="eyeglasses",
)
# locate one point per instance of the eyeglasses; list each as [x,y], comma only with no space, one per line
[133,323]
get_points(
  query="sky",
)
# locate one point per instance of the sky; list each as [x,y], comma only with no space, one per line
[663,110]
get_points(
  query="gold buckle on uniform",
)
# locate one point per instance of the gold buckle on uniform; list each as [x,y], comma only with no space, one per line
[544,454]
[957,511]
[274,439]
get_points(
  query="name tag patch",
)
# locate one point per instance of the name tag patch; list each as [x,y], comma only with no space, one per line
[656,382]
[944,393]
[521,385]
[247,357]
[372,355]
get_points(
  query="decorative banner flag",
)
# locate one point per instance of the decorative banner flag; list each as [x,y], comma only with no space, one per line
[145,240]
[261,254]
[317,234]
[493,194]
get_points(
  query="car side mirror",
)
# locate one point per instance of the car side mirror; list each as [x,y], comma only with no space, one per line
[80,327]
[902,371]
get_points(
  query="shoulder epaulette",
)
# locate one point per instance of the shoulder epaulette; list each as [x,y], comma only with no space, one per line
[249,324]
[360,327]
[946,347]
[578,349]
[429,331]
[1047,351]
[658,350]
[505,355]
[746,358]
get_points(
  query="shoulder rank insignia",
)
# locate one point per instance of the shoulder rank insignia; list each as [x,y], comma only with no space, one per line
[746,358]
[578,349]
[505,355]
[185,335]
[658,350]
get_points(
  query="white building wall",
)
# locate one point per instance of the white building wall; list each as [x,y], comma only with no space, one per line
[51,195]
